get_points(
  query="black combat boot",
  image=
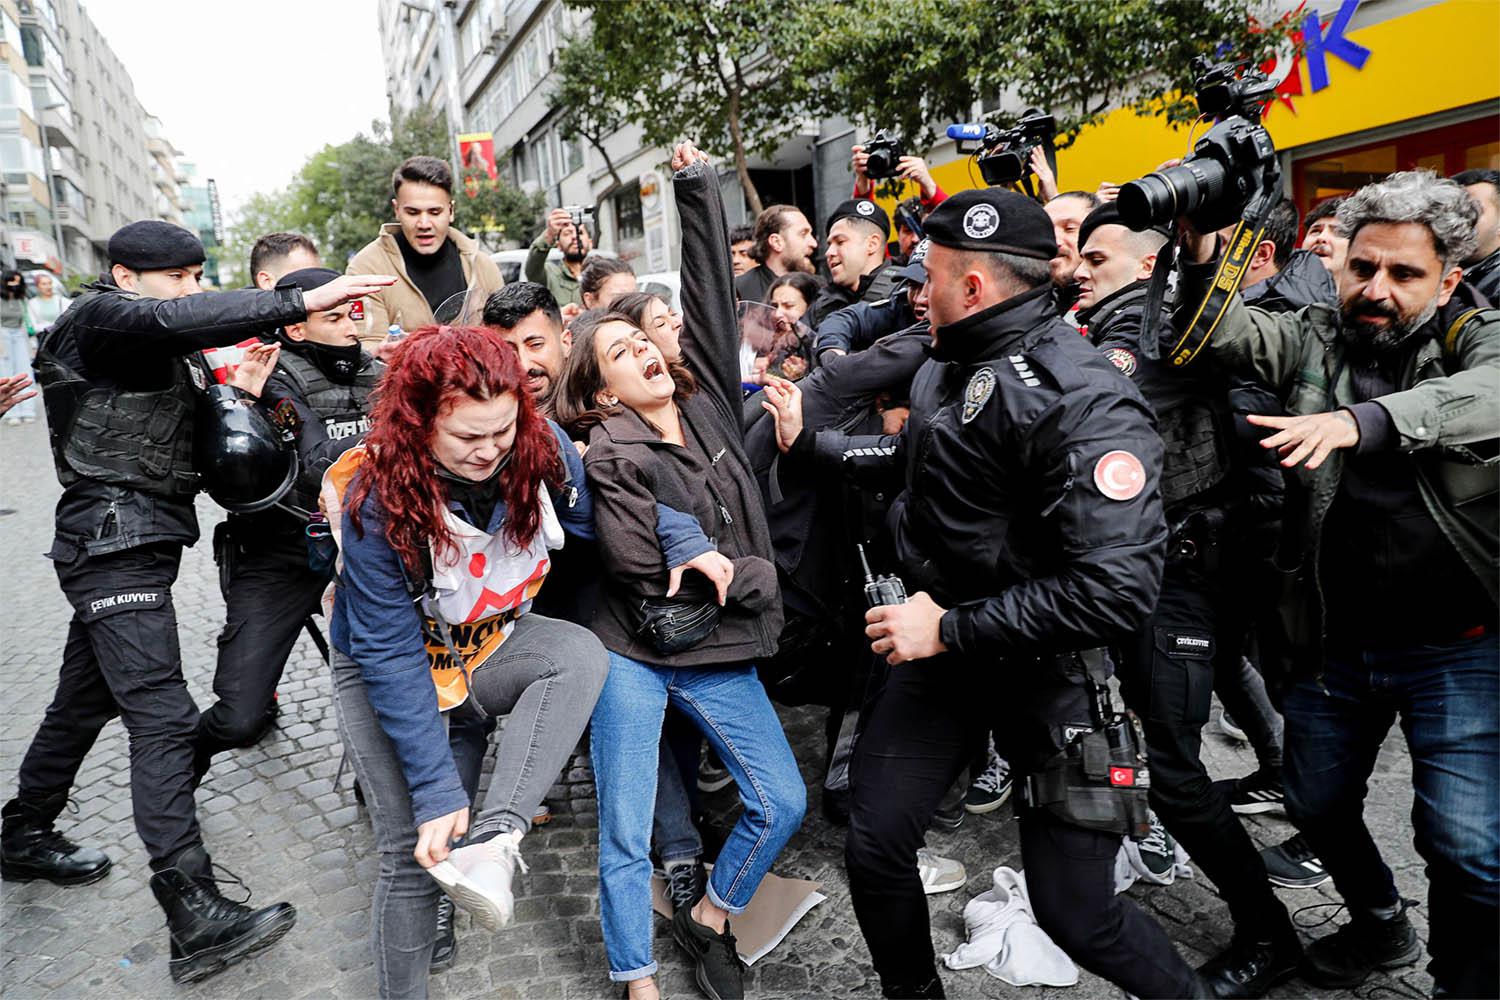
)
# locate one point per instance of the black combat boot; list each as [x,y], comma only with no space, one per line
[31,849]
[210,933]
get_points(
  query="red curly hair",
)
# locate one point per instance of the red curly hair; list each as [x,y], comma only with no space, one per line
[432,366]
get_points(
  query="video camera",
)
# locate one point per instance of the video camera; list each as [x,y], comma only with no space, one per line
[582,216]
[885,154]
[1226,168]
[1005,154]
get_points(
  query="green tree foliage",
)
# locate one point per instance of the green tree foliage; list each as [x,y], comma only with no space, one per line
[727,75]
[590,108]
[914,66]
[342,194]
[494,212]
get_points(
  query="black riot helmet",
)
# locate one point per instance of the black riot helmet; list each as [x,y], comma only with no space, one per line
[246,463]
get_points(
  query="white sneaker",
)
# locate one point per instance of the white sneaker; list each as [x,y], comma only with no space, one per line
[939,874]
[478,877]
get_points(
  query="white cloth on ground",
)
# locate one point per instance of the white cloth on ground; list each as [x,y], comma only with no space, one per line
[1004,938]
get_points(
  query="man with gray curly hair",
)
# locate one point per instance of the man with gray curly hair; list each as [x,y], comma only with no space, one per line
[1394,432]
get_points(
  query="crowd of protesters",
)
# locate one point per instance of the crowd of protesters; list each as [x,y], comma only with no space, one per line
[637,525]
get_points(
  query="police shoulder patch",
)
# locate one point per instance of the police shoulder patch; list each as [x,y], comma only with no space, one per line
[200,380]
[1119,475]
[1121,359]
[286,417]
[978,392]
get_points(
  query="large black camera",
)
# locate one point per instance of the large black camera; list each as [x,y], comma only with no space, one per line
[885,154]
[1007,155]
[1226,168]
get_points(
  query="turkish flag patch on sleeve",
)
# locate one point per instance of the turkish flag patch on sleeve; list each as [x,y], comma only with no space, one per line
[1124,776]
[1119,475]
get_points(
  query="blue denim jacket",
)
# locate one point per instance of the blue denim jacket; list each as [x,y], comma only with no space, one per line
[376,624]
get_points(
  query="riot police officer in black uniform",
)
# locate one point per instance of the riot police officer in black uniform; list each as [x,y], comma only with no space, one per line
[320,393]
[122,381]
[1028,525]
[1167,670]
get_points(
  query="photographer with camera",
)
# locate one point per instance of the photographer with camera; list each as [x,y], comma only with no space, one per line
[1029,528]
[1395,417]
[568,230]
[883,158]
[857,264]
[1167,671]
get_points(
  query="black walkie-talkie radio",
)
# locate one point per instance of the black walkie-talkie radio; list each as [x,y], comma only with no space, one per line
[880,590]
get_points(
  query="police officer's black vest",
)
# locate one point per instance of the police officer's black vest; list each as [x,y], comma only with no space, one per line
[342,406]
[138,439]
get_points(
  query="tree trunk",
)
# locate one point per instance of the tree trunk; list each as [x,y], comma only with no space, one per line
[741,163]
[614,175]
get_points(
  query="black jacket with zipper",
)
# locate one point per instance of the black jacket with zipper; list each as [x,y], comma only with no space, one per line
[1019,459]
[631,468]
[116,338]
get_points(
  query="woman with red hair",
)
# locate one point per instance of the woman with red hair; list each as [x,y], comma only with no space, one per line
[453,502]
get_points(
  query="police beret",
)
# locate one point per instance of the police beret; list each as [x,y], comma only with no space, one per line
[915,269]
[308,278]
[861,208]
[153,245]
[993,220]
[1107,214]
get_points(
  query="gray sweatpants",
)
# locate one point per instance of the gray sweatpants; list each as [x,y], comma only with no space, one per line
[546,677]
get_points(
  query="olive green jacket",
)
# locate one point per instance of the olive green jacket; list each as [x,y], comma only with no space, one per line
[1446,415]
[558,279]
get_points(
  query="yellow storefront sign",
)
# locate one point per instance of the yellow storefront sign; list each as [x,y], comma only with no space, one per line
[1431,60]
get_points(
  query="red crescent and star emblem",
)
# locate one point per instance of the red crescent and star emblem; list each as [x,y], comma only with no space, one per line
[1119,475]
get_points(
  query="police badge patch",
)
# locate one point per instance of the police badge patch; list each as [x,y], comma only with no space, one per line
[285,416]
[1121,359]
[978,392]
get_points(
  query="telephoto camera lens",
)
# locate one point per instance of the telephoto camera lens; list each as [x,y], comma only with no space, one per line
[1160,197]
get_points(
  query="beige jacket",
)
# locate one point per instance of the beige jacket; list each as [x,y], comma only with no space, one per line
[403,303]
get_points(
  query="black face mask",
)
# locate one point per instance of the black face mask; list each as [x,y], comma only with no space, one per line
[339,363]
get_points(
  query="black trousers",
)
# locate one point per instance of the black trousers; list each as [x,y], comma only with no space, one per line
[121,658]
[1167,678]
[268,593]
[921,732]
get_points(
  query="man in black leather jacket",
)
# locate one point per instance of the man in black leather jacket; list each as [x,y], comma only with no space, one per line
[121,380]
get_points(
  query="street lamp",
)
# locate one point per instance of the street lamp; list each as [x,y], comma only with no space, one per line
[62,251]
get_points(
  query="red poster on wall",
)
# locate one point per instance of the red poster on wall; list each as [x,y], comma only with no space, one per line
[476,150]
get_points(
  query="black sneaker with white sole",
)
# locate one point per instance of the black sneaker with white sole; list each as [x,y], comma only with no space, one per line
[1259,792]
[716,961]
[1293,865]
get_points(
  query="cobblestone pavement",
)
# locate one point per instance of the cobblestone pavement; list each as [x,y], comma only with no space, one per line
[273,815]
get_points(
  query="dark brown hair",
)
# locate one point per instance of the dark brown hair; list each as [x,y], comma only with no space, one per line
[772,219]
[577,401]
[422,170]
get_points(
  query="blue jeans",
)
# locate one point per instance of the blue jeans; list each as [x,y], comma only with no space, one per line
[730,707]
[16,354]
[1448,699]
